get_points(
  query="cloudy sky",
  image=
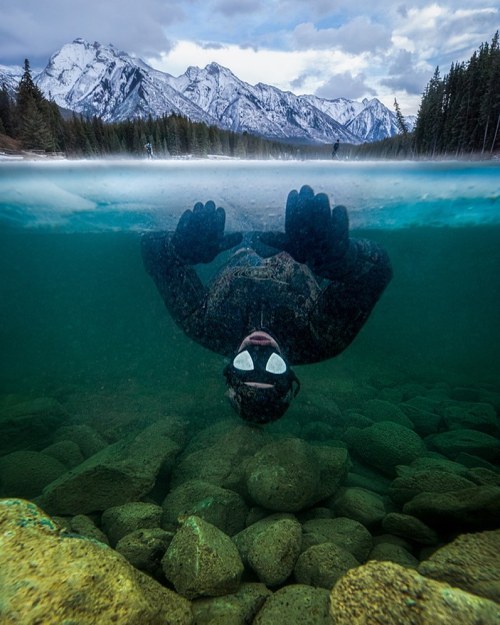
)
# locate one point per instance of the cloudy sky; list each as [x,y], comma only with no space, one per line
[332,48]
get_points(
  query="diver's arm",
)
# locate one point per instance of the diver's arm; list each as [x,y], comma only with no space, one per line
[348,297]
[355,272]
[177,282]
[168,258]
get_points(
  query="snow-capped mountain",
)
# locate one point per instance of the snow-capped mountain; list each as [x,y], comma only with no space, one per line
[259,109]
[10,77]
[93,79]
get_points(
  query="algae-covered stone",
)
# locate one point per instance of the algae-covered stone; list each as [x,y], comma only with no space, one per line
[122,472]
[67,452]
[296,604]
[390,552]
[122,520]
[470,415]
[322,565]
[409,527]
[145,549]
[470,562]
[469,508]
[413,483]
[88,440]
[385,444]
[455,442]
[202,561]
[347,533]
[27,473]
[271,547]
[219,506]
[359,504]
[221,460]
[239,608]
[384,592]
[49,577]
[28,423]
[382,410]
[290,474]
[85,526]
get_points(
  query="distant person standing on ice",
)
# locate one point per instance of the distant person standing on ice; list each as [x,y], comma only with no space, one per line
[149,150]
[286,298]
[335,149]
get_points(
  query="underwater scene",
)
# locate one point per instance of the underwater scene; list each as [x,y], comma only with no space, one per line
[132,492]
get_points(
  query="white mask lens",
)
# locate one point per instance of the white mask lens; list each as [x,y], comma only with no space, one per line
[276,364]
[243,362]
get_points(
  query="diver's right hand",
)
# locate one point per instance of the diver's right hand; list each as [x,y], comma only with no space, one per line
[199,236]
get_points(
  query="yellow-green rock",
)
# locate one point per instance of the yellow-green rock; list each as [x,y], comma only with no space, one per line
[49,576]
[388,594]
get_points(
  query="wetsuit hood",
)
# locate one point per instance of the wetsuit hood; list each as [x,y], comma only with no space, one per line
[260,380]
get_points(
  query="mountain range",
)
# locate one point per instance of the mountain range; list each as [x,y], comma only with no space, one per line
[95,79]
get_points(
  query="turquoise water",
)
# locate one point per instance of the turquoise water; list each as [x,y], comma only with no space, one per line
[90,357]
[77,306]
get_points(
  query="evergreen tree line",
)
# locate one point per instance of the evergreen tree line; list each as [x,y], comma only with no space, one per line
[37,124]
[460,113]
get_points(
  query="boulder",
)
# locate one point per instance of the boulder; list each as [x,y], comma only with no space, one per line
[296,604]
[322,565]
[409,527]
[85,526]
[470,416]
[421,413]
[145,548]
[27,473]
[454,442]
[222,462]
[381,410]
[50,577]
[389,552]
[433,462]
[239,608]
[67,452]
[385,592]
[341,531]
[202,561]
[359,504]
[119,521]
[413,483]
[290,475]
[271,547]
[470,562]
[122,472]
[28,424]
[219,506]
[470,508]
[384,445]
[88,440]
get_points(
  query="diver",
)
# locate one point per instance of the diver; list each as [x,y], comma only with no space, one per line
[283,299]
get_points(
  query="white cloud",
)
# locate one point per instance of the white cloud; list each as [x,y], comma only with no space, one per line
[275,67]
[357,35]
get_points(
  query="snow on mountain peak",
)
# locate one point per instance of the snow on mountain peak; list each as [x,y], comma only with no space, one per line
[95,79]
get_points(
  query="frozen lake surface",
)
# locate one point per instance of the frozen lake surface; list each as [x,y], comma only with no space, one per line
[100,195]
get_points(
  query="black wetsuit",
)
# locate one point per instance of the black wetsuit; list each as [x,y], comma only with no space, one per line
[311,318]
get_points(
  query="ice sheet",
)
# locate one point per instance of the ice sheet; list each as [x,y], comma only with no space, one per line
[99,195]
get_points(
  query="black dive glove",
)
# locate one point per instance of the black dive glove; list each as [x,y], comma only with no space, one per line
[199,235]
[314,234]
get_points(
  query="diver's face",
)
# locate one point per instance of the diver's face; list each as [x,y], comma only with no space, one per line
[259,361]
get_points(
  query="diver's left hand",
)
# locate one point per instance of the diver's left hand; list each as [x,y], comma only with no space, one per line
[314,234]
[199,236]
